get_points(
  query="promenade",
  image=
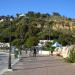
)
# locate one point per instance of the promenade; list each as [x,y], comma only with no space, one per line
[42,65]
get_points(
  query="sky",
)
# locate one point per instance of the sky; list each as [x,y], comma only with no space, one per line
[12,7]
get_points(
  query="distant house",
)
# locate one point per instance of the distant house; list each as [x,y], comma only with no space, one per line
[4,44]
[1,44]
[21,15]
[1,20]
[42,42]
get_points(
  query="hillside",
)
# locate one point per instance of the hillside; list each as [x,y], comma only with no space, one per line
[39,25]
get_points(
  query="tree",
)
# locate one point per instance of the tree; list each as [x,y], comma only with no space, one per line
[16,43]
[31,41]
[66,39]
[56,14]
[50,25]
[49,47]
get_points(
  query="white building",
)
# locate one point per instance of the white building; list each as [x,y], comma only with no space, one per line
[43,42]
[4,44]
[1,20]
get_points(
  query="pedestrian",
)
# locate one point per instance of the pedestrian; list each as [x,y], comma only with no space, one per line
[34,53]
[26,50]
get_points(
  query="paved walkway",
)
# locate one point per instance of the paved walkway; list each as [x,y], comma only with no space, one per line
[40,65]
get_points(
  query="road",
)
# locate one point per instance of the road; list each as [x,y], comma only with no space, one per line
[3,61]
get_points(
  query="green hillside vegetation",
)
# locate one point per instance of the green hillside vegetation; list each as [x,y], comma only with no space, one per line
[37,25]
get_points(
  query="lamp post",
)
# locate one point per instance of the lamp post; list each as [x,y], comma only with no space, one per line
[9,59]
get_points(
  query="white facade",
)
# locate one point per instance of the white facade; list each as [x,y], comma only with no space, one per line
[4,44]
[44,52]
[62,51]
[1,20]
[42,42]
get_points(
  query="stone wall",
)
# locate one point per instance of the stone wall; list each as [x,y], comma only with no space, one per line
[63,51]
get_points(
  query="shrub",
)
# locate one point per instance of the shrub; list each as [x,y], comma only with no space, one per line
[49,47]
[71,57]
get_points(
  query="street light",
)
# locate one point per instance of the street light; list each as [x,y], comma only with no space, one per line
[9,59]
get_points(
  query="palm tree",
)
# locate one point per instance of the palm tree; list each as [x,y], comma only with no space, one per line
[50,26]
